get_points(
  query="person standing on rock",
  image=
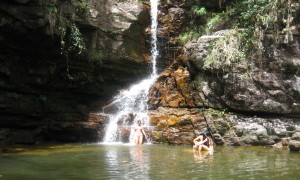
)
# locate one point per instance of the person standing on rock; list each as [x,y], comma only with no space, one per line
[139,133]
[203,142]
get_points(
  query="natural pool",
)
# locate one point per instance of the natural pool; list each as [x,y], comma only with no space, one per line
[94,161]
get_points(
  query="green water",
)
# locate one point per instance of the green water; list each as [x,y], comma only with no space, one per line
[89,162]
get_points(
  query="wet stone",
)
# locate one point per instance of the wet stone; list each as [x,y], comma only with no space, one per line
[294,145]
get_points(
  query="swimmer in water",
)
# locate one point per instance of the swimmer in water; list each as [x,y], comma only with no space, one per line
[139,133]
[204,142]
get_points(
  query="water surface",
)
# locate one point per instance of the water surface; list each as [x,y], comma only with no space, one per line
[89,162]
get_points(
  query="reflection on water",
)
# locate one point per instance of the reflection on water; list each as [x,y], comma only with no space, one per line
[93,162]
[203,156]
[140,162]
[134,160]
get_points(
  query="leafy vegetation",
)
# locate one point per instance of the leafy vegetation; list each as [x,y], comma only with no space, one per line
[52,15]
[71,40]
[83,9]
[264,16]
[191,34]
[199,11]
[226,51]
[202,23]
[215,20]
[194,30]
[251,21]
[217,111]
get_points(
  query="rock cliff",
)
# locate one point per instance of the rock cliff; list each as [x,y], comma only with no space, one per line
[61,60]
[250,101]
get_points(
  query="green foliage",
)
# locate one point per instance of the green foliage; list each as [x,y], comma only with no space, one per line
[191,35]
[52,15]
[83,9]
[52,8]
[216,19]
[263,15]
[210,22]
[251,20]
[77,42]
[217,111]
[200,11]
[226,51]
[71,40]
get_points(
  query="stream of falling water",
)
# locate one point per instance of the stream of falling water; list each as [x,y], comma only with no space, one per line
[131,105]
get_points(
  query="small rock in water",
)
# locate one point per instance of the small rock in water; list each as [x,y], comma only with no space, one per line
[294,145]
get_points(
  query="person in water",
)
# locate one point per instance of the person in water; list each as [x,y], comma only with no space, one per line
[204,142]
[139,133]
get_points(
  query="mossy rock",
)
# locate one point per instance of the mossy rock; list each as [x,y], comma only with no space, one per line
[158,137]
[221,126]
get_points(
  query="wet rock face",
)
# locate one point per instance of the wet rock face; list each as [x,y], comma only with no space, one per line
[46,95]
[181,126]
[176,125]
[241,130]
[172,19]
[263,85]
[172,89]
[262,88]
[119,32]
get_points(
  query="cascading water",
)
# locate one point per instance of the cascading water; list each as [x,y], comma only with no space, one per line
[154,23]
[131,105]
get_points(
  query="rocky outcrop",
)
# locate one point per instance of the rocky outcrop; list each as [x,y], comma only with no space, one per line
[258,89]
[238,129]
[182,125]
[172,89]
[49,85]
[261,92]
[174,17]
[176,126]
[48,89]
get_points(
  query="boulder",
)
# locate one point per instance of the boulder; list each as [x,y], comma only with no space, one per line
[296,136]
[172,89]
[294,145]
[176,126]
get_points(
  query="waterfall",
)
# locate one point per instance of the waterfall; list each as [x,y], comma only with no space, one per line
[130,105]
[154,23]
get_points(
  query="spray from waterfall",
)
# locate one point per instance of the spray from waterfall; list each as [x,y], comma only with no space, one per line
[131,105]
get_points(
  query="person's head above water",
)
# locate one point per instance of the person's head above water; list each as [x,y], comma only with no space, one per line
[139,122]
[205,133]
